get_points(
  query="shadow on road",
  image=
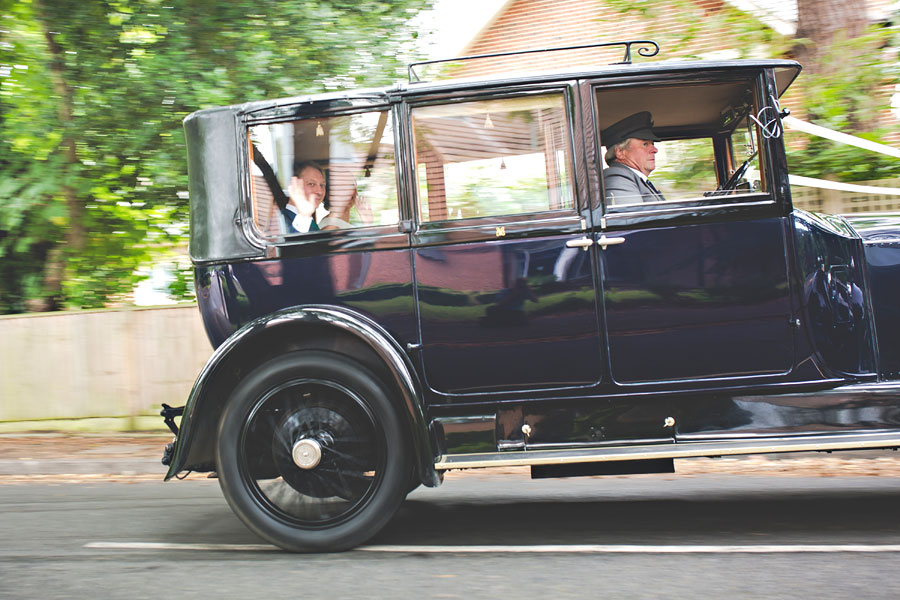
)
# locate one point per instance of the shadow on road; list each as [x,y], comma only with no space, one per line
[692,514]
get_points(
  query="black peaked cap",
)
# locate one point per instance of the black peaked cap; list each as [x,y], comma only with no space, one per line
[639,126]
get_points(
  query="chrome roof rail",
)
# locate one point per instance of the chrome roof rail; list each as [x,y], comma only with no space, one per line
[646,48]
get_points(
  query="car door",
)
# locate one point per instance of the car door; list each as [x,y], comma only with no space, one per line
[504,280]
[697,286]
[357,255]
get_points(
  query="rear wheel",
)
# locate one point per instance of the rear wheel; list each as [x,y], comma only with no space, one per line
[311,452]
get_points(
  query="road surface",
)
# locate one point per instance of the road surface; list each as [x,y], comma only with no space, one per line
[492,535]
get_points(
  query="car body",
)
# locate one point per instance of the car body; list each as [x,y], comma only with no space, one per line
[485,304]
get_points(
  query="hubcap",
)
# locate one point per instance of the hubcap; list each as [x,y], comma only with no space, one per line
[312,453]
[307,453]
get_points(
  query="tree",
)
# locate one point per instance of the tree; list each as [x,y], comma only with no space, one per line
[821,23]
[850,71]
[92,95]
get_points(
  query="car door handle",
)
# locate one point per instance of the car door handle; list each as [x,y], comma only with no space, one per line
[584,242]
[604,241]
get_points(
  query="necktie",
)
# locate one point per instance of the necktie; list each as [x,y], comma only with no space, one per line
[654,190]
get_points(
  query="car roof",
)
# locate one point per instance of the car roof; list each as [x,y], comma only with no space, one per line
[785,71]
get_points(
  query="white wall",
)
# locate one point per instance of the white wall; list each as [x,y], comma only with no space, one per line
[105,363]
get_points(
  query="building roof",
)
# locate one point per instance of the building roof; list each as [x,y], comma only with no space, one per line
[456,24]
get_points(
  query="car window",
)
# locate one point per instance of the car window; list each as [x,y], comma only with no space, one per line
[686,169]
[346,165]
[493,157]
[708,146]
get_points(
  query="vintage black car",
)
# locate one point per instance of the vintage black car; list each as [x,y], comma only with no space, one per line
[474,298]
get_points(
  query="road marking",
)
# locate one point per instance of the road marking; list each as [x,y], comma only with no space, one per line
[626,549]
[536,549]
[167,546]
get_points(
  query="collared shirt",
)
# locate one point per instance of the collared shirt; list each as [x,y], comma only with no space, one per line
[301,223]
[639,174]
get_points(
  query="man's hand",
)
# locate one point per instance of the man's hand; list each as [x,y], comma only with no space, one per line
[304,204]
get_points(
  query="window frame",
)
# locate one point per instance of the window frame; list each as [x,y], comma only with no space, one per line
[354,238]
[699,207]
[476,228]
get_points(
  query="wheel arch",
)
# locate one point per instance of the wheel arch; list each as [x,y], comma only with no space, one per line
[297,328]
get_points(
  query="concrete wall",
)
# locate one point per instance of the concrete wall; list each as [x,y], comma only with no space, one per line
[120,363]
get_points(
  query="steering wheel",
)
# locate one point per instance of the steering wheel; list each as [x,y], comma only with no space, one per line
[732,181]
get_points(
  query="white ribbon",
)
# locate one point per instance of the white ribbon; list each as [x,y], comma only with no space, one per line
[843,187]
[843,138]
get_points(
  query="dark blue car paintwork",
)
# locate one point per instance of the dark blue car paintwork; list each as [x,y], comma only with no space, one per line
[881,238]
[710,302]
[710,321]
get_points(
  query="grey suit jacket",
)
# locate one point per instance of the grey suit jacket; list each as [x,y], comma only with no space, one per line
[624,186]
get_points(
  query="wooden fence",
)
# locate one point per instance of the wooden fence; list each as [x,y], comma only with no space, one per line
[115,363]
[839,202]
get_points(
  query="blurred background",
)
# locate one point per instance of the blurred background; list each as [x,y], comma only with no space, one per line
[93,172]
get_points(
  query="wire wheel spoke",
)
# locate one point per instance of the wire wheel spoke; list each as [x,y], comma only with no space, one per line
[352,453]
[311,452]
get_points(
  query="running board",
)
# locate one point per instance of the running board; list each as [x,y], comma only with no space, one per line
[768,445]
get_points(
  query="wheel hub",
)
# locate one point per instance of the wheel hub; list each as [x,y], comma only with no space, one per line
[307,453]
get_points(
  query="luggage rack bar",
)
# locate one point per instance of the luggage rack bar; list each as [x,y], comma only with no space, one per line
[644,50]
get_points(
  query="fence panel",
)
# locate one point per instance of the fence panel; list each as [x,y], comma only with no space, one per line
[105,363]
[842,203]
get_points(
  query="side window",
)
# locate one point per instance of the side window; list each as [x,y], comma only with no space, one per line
[704,143]
[493,157]
[323,174]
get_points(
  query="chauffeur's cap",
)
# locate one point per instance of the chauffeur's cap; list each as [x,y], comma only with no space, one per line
[639,125]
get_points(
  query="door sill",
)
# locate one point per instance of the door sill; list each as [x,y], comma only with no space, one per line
[686,449]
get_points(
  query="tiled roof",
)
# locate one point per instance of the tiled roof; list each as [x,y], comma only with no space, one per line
[456,24]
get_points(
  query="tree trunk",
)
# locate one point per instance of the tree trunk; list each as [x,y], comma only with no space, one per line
[54,267]
[821,22]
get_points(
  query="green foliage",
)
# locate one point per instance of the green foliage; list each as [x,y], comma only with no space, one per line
[697,22]
[93,180]
[823,159]
[847,94]
[688,166]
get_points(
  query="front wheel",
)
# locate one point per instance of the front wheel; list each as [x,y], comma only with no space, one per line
[311,453]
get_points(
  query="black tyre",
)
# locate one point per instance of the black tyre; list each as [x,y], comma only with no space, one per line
[311,452]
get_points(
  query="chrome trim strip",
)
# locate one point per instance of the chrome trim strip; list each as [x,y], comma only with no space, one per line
[683,209]
[666,441]
[807,443]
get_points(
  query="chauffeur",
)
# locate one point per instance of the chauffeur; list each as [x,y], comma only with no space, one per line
[631,156]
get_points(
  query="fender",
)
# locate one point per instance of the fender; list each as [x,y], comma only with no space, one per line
[835,294]
[197,410]
[880,234]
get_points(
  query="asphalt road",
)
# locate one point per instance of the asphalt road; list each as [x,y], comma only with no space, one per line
[498,536]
